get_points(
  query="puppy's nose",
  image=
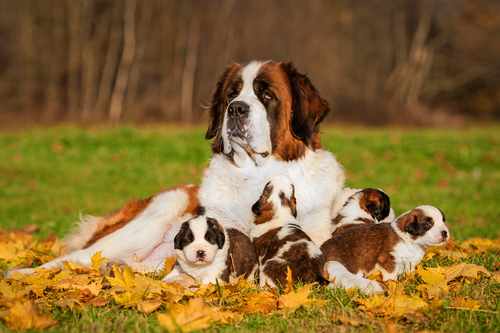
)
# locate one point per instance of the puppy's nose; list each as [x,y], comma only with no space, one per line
[444,233]
[200,254]
[238,109]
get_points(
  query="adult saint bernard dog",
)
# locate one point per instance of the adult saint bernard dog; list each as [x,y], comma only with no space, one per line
[264,121]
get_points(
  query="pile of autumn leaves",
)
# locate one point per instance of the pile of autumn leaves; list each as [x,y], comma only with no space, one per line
[27,301]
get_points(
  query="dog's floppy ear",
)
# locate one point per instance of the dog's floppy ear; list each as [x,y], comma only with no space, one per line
[180,235]
[308,108]
[258,207]
[217,106]
[411,225]
[217,229]
[379,204]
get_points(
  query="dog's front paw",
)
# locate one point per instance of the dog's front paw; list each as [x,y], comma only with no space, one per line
[183,279]
[106,268]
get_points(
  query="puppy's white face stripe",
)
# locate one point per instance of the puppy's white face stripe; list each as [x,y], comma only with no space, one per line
[189,253]
[433,237]
[258,132]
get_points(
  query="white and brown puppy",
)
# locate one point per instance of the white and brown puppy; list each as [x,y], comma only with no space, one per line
[393,248]
[279,241]
[369,205]
[207,252]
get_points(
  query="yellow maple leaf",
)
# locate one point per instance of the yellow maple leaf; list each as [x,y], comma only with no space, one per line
[97,260]
[289,280]
[130,297]
[262,302]
[295,299]
[24,316]
[193,315]
[149,305]
[7,290]
[169,264]
[464,270]
[125,279]
[465,303]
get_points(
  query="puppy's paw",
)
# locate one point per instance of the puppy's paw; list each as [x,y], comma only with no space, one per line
[184,280]
[106,268]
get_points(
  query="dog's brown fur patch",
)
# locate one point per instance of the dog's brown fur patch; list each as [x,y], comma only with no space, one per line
[361,247]
[241,259]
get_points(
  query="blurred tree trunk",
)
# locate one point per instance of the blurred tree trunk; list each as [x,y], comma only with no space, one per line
[190,66]
[28,52]
[74,58]
[142,46]
[111,61]
[116,106]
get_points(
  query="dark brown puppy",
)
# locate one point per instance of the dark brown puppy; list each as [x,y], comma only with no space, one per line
[279,242]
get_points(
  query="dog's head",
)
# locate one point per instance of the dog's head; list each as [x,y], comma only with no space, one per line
[376,203]
[425,225]
[265,108]
[199,240]
[278,194]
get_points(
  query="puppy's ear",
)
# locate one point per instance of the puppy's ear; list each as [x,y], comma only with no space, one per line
[411,225]
[180,235]
[259,205]
[217,108]
[308,108]
[379,205]
[220,238]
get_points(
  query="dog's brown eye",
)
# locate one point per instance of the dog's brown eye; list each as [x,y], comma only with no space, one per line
[268,96]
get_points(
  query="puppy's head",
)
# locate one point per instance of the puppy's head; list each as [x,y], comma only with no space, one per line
[198,240]
[278,194]
[425,225]
[375,202]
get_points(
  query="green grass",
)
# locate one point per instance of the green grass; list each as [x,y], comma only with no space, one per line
[49,176]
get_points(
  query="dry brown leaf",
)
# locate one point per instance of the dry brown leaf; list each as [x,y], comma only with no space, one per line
[99,301]
[149,306]
[348,320]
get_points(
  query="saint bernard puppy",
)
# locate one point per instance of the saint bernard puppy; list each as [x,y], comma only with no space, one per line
[369,205]
[280,242]
[208,252]
[393,248]
[264,121]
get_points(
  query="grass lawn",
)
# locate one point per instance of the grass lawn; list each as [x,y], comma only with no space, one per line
[49,176]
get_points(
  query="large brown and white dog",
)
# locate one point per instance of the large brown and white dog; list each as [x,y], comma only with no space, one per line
[393,248]
[264,121]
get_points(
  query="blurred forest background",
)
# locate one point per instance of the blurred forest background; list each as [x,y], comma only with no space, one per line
[378,62]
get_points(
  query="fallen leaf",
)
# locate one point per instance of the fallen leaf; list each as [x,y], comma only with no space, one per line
[465,303]
[289,280]
[23,315]
[149,306]
[97,260]
[350,321]
[99,301]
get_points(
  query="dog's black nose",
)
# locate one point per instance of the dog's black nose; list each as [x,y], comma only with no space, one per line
[200,253]
[444,233]
[238,109]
